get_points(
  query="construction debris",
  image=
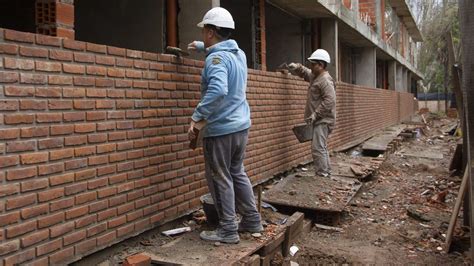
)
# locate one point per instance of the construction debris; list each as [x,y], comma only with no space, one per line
[176,231]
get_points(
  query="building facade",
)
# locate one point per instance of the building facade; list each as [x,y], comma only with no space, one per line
[93,114]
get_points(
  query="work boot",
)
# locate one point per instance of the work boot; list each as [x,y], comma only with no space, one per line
[251,229]
[219,235]
[326,175]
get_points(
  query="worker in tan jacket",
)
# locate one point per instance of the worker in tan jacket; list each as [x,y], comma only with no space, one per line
[320,106]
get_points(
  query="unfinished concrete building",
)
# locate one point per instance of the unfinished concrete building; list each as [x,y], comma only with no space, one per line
[93,115]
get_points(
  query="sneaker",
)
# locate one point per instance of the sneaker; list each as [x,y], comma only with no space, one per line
[250,229]
[219,236]
[327,175]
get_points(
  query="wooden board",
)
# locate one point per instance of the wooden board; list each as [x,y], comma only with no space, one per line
[457,207]
[189,249]
[313,193]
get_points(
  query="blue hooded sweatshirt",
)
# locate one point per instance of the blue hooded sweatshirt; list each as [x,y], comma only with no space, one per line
[223,99]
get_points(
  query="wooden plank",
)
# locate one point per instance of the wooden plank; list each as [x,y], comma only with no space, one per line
[293,229]
[457,207]
[272,245]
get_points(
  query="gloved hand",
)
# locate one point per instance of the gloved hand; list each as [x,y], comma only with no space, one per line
[196,46]
[311,119]
[292,66]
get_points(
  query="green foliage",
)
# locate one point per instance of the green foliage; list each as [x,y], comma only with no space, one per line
[436,19]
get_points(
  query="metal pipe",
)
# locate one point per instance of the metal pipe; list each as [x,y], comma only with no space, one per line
[172,23]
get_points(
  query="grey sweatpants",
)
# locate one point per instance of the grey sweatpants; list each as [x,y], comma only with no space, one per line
[228,183]
[319,149]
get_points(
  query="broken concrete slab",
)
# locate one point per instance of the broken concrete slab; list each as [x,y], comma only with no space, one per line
[313,193]
[381,141]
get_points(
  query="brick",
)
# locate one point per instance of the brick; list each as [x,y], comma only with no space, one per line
[51,143]
[98,206]
[50,194]
[51,92]
[48,40]
[104,82]
[134,54]
[115,51]
[48,66]
[74,237]
[137,260]
[20,257]
[50,168]
[49,117]
[74,116]
[61,257]
[34,238]
[124,62]
[105,60]
[59,80]
[76,164]
[106,239]
[84,151]
[74,45]
[59,55]
[11,133]
[84,81]
[17,91]
[96,93]
[8,77]
[12,35]
[57,130]
[50,220]
[75,140]
[85,174]
[9,218]
[76,212]
[95,116]
[86,221]
[61,204]
[19,118]
[34,158]
[59,105]
[111,72]
[85,246]
[33,105]
[104,215]
[97,229]
[21,229]
[34,211]
[33,52]
[7,48]
[34,184]
[73,69]
[49,247]
[7,161]
[32,132]
[61,229]
[9,247]
[22,173]
[84,58]
[61,179]
[20,64]
[9,105]
[97,70]
[37,79]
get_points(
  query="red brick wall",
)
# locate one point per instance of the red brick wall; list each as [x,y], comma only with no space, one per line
[367,7]
[93,144]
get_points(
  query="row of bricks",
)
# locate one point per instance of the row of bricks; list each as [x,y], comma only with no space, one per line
[88,81]
[109,163]
[71,45]
[44,60]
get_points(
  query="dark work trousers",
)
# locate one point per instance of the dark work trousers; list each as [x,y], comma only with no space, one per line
[228,183]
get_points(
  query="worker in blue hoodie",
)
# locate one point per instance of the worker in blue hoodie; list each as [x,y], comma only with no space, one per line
[225,108]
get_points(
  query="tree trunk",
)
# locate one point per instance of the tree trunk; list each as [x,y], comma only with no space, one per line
[466,9]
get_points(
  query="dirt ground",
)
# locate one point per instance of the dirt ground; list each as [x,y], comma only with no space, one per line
[376,226]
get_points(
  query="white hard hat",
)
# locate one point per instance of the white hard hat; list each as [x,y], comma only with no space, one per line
[219,17]
[320,55]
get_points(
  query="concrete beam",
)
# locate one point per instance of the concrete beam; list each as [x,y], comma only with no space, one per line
[330,42]
[366,66]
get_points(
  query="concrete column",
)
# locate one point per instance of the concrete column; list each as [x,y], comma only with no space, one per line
[329,42]
[392,75]
[366,67]
[399,83]
[405,79]
[216,3]
[409,81]
[378,17]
